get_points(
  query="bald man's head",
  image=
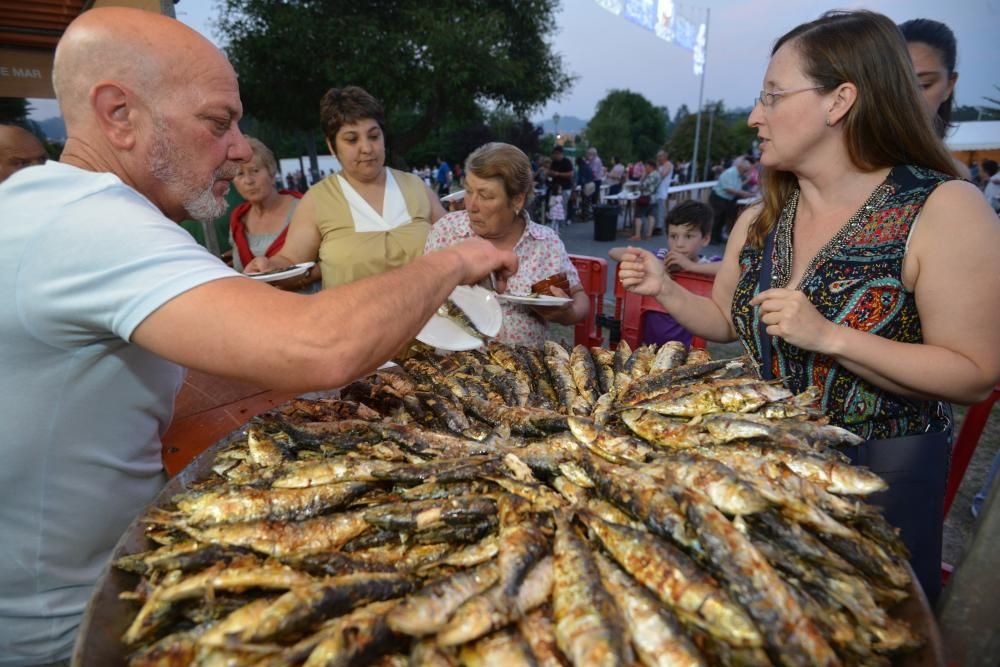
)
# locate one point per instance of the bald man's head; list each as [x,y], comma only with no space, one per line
[154,102]
[150,54]
[18,149]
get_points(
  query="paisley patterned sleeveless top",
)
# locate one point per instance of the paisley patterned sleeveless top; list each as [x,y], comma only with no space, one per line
[855,280]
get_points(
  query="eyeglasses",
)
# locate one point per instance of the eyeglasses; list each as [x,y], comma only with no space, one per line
[768,99]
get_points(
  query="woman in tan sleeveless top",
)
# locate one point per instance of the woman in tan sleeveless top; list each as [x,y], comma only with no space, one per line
[365,219]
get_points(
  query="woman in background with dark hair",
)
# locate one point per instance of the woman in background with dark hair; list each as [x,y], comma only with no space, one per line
[830,281]
[365,219]
[934,51]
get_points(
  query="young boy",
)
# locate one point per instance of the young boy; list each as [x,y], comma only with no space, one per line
[688,231]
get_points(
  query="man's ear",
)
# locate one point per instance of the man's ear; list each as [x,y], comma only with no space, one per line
[115,114]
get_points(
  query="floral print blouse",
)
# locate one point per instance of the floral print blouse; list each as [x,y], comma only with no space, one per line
[540,253]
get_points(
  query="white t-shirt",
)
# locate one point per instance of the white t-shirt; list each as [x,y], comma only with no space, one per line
[84,259]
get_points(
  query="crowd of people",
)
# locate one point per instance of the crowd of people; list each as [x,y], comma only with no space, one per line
[827,281]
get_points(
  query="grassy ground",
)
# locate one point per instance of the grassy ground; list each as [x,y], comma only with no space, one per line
[959,525]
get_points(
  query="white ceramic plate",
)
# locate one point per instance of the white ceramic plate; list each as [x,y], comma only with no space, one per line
[453,196]
[483,309]
[537,300]
[290,272]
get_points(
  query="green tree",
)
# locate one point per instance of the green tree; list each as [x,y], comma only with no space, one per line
[626,124]
[431,64]
[729,135]
[14,110]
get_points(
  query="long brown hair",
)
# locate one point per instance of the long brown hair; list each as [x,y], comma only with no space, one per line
[887,125]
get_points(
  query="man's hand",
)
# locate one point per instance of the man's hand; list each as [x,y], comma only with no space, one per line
[789,315]
[641,272]
[479,258]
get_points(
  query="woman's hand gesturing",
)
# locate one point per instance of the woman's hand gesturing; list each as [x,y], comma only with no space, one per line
[790,315]
[641,272]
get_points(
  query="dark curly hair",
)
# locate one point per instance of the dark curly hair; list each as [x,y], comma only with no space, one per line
[343,106]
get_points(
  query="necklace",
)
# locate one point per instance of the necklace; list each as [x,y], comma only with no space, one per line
[783,235]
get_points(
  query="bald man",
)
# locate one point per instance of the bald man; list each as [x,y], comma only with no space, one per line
[104,299]
[18,149]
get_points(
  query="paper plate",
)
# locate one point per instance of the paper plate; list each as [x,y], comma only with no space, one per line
[483,309]
[281,274]
[536,300]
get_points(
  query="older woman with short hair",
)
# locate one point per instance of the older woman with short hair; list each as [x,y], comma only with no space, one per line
[367,218]
[258,227]
[498,188]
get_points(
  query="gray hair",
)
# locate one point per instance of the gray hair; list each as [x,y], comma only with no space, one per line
[506,162]
[264,154]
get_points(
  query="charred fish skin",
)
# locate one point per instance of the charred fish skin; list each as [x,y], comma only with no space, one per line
[428,610]
[522,543]
[494,609]
[792,637]
[356,638]
[558,362]
[304,605]
[454,312]
[187,556]
[589,628]
[420,514]
[623,378]
[235,504]
[656,635]
[643,497]
[501,649]
[218,577]
[285,539]
[677,581]
[651,385]
[670,355]
[584,373]
[617,449]
[538,630]
[426,653]
[604,361]
[727,491]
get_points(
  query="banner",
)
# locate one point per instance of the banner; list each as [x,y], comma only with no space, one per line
[683,25]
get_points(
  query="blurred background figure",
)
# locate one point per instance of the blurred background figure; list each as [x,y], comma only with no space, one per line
[258,227]
[18,149]
[615,176]
[991,183]
[367,218]
[934,50]
[724,196]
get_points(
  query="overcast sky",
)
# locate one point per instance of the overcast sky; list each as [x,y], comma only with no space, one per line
[606,51]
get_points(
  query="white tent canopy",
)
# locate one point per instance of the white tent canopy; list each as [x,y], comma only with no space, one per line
[974,135]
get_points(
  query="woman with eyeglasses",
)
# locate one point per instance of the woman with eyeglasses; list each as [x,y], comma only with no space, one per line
[868,270]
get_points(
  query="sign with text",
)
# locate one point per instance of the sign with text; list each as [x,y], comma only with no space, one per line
[25,73]
[683,25]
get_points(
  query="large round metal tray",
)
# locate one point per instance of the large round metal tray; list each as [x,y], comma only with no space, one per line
[106,618]
[98,643]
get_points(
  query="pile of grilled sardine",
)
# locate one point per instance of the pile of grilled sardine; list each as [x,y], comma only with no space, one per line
[512,506]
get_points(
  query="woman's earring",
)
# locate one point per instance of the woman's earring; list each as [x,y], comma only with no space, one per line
[828,123]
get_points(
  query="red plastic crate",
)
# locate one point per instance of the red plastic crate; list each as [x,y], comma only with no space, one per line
[594,277]
[633,307]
